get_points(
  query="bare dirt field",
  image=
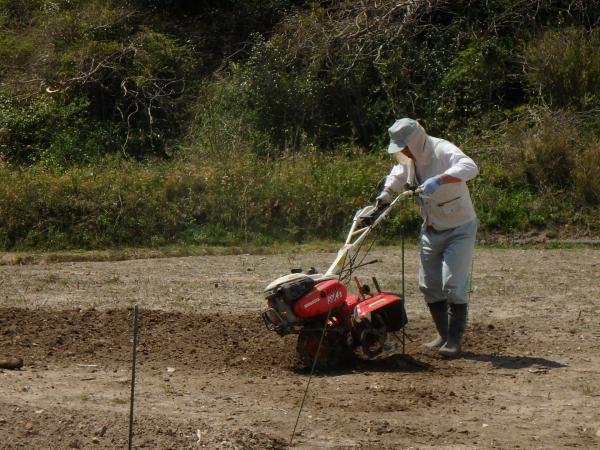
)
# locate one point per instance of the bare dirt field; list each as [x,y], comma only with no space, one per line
[211,376]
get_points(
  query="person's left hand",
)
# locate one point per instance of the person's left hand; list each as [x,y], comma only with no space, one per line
[432,184]
[383,198]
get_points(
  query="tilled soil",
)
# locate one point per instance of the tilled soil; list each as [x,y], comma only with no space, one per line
[209,374]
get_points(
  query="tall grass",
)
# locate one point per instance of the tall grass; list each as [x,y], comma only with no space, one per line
[196,200]
[540,174]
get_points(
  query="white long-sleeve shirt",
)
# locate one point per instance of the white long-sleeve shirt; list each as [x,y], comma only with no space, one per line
[450,158]
[450,206]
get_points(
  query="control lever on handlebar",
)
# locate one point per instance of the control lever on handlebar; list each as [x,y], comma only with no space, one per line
[416,189]
[380,207]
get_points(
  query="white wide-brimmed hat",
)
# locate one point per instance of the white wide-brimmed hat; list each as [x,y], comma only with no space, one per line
[399,134]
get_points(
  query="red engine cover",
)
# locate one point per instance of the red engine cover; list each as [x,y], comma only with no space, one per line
[320,299]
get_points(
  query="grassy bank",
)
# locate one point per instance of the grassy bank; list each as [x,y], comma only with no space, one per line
[239,199]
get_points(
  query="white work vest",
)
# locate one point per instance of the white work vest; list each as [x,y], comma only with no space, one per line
[450,206]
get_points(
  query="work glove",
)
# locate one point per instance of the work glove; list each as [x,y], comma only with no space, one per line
[383,198]
[431,184]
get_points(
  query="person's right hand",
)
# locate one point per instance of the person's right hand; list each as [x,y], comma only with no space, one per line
[383,198]
[432,184]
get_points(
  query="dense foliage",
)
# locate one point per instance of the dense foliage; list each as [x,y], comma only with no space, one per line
[145,122]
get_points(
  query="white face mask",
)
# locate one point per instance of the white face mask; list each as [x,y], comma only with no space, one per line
[402,159]
[405,161]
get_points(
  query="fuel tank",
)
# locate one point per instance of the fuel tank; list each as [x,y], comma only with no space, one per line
[320,299]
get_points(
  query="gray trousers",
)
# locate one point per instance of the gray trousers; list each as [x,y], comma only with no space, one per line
[446,263]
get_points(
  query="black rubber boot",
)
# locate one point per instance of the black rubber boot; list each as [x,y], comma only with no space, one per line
[439,313]
[456,330]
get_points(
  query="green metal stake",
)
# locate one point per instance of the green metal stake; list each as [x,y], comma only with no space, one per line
[133,360]
[403,297]
[402,237]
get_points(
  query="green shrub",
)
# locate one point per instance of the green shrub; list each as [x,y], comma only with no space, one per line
[587,174]
[131,79]
[550,151]
[44,130]
[222,121]
[14,50]
[555,152]
[18,12]
[500,210]
[475,80]
[563,67]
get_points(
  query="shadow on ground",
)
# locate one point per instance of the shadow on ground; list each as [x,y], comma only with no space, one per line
[393,363]
[512,362]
